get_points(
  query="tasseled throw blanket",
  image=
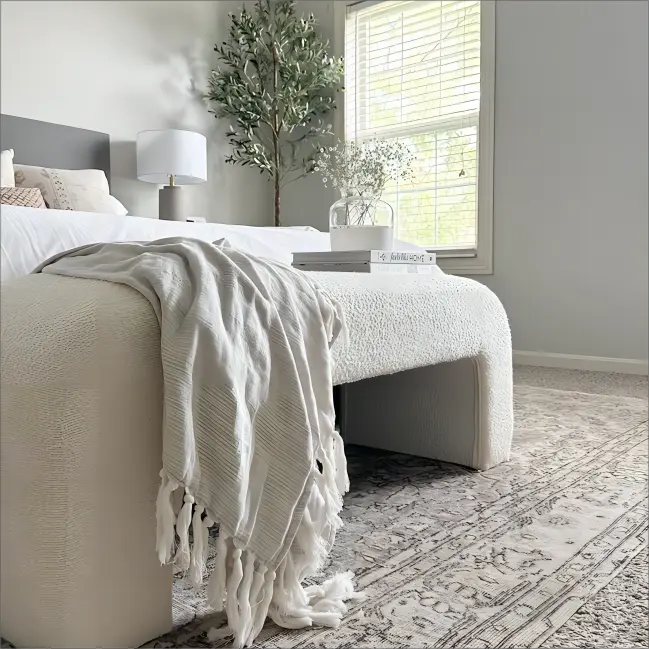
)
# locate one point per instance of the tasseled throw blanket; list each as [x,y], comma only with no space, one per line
[248,424]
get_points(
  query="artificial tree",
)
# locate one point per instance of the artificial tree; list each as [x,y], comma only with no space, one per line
[276,84]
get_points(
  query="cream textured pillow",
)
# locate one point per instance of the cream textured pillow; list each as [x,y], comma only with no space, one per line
[83,190]
[22,196]
[7,168]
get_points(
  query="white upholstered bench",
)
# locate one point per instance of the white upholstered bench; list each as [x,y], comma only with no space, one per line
[426,370]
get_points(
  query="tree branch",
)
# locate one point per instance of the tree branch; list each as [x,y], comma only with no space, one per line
[276,85]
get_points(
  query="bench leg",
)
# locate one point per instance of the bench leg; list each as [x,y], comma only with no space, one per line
[440,411]
[78,529]
[79,471]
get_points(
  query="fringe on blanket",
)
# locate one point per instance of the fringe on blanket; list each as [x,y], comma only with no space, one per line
[242,585]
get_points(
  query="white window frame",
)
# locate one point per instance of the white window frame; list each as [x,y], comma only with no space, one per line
[457,262]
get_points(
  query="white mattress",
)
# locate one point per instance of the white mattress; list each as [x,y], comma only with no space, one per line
[29,236]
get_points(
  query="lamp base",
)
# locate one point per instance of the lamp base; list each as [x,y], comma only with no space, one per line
[171,204]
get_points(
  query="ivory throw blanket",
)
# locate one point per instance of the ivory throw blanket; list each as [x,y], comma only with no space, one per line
[248,423]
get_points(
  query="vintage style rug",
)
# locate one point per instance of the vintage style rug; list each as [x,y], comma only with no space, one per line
[452,557]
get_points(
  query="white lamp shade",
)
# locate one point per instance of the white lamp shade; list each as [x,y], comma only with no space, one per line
[181,154]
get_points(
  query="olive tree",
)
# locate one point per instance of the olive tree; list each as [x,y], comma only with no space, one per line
[276,84]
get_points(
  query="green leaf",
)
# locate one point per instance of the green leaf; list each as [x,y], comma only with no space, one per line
[274,83]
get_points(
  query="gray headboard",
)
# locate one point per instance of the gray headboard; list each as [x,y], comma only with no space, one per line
[51,145]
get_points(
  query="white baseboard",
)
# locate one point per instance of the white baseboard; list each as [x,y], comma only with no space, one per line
[576,362]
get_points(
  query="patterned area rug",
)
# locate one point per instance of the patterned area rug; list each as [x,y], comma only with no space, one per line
[452,557]
[616,617]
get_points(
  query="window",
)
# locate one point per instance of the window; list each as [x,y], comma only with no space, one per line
[422,72]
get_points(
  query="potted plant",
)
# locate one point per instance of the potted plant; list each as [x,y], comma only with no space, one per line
[360,219]
[276,84]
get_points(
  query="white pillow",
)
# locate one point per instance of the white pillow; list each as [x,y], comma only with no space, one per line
[92,199]
[7,168]
[83,190]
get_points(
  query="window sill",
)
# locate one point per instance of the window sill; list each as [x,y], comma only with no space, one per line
[465,265]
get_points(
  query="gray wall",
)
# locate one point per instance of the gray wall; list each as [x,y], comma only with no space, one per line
[122,66]
[570,194]
[570,189]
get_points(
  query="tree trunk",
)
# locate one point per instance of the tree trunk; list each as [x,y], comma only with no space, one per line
[276,129]
[277,221]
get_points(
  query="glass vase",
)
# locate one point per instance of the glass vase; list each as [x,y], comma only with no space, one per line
[358,222]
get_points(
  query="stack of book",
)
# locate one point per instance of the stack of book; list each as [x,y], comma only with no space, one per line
[366,261]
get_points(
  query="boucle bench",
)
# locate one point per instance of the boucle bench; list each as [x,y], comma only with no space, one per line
[425,369]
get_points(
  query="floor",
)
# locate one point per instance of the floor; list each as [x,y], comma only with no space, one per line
[619,385]
[617,615]
[614,617]
[392,491]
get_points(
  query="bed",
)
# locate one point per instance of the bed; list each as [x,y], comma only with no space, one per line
[425,370]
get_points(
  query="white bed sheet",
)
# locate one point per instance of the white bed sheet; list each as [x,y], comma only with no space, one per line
[29,236]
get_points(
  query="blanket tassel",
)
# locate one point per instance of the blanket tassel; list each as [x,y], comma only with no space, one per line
[166,534]
[197,558]
[207,523]
[342,478]
[231,599]
[252,593]
[216,583]
[245,609]
[182,528]
[261,611]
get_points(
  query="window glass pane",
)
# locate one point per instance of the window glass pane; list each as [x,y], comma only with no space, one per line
[413,74]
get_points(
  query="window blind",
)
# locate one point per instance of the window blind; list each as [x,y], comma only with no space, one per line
[412,73]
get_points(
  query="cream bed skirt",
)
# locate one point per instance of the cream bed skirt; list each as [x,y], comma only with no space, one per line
[81,446]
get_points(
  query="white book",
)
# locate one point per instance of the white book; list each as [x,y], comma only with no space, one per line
[366,256]
[368,267]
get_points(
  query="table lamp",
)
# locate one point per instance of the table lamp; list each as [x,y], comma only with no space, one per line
[171,157]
